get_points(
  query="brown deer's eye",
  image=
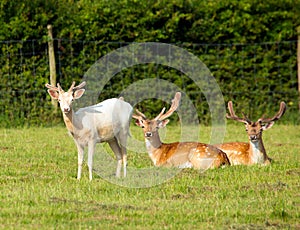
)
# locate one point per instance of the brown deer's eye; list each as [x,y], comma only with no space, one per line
[142,122]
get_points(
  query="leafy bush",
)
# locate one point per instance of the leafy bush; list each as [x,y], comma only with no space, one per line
[249,46]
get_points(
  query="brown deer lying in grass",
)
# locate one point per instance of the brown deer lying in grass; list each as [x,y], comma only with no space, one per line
[253,152]
[178,154]
[107,121]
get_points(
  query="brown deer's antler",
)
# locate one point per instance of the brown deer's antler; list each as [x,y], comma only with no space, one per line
[277,116]
[139,116]
[174,106]
[161,116]
[235,117]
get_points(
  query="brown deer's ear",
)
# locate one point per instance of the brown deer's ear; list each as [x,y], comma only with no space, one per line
[53,93]
[163,123]
[139,123]
[268,125]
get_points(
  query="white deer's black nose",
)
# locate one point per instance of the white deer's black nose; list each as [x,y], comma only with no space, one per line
[148,134]
[253,137]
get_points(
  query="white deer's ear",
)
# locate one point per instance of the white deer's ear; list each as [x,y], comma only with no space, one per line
[268,125]
[78,93]
[53,93]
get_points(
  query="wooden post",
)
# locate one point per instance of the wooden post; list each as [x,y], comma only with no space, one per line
[52,62]
[298,64]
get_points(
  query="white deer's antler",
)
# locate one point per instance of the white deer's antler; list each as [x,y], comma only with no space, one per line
[73,87]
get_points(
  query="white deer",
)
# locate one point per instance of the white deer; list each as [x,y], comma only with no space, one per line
[107,121]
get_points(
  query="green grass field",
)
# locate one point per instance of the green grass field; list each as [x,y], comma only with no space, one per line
[39,189]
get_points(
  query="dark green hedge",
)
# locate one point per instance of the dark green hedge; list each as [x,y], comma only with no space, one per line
[249,46]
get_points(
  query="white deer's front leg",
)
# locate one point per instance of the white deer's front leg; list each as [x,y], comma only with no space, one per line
[125,164]
[91,150]
[80,160]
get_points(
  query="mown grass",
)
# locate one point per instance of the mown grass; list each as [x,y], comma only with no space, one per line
[39,188]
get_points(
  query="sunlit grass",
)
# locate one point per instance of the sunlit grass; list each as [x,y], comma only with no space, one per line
[39,188]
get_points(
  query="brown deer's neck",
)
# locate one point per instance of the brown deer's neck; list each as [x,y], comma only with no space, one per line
[153,145]
[257,151]
[153,142]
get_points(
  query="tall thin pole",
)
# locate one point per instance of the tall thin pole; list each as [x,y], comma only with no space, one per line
[298,64]
[52,62]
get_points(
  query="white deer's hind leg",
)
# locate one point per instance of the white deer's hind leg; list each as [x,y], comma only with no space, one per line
[123,144]
[117,150]
[80,160]
[124,158]
[91,151]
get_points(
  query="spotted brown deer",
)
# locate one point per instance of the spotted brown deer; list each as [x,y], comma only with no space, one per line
[107,121]
[178,154]
[253,152]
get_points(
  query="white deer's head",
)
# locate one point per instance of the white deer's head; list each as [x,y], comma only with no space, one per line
[65,99]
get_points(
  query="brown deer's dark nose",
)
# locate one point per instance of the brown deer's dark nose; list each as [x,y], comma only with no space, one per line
[253,137]
[148,134]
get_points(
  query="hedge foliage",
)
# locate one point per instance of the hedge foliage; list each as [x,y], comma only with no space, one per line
[249,46]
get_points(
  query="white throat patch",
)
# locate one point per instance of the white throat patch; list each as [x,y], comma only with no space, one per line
[257,156]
